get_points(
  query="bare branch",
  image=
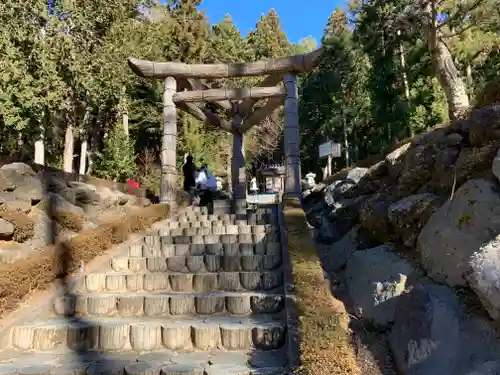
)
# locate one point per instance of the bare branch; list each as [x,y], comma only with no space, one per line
[246,105]
[205,115]
[262,113]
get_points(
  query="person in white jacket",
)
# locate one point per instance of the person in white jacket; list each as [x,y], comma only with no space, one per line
[206,183]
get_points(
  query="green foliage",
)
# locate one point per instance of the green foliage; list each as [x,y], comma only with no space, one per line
[117,161]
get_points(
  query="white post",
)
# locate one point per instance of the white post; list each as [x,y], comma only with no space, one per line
[83,156]
[40,144]
[329,165]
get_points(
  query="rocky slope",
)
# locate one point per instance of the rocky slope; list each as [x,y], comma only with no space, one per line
[415,240]
[40,209]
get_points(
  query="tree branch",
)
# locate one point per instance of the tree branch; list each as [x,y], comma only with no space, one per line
[262,113]
[246,105]
[205,115]
[460,13]
[457,33]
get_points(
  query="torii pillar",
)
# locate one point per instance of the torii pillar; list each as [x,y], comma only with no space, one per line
[292,139]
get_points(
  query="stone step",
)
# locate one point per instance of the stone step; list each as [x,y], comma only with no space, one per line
[201,228]
[149,334]
[224,218]
[255,238]
[197,263]
[167,304]
[180,282]
[156,248]
[132,363]
[252,218]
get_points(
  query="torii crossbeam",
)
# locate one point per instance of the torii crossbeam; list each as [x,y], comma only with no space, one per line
[237,104]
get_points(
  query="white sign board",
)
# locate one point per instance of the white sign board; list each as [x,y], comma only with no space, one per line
[336,150]
[329,148]
[325,149]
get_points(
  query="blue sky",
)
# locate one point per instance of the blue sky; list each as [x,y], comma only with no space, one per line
[299,18]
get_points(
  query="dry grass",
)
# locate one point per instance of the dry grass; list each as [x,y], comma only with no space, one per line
[69,220]
[23,226]
[325,341]
[45,266]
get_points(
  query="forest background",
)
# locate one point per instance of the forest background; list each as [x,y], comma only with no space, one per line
[390,70]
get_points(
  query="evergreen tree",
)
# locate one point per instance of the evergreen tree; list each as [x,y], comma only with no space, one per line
[268,39]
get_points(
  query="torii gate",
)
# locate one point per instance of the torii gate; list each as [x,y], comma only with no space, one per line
[237,104]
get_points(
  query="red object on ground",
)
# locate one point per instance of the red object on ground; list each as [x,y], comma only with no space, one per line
[133,184]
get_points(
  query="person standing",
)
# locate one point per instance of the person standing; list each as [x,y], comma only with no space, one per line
[206,183]
[189,170]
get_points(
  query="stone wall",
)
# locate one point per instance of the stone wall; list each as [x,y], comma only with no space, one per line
[416,239]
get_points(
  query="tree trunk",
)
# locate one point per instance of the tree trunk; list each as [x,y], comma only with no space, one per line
[346,145]
[470,80]
[124,110]
[83,156]
[238,176]
[125,124]
[448,75]
[451,82]
[169,146]
[68,150]
[40,143]
[406,86]
[229,173]
[292,139]
[93,147]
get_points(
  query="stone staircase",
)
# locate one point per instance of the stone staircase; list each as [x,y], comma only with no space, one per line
[203,295]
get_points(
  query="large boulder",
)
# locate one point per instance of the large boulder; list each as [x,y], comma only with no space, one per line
[6,229]
[44,232]
[443,174]
[356,174]
[375,278]
[495,166]
[335,255]
[410,214]
[458,229]
[20,181]
[487,368]
[374,215]
[483,125]
[59,204]
[418,168]
[10,202]
[327,231]
[473,162]
[395,161]
[432,334]
[484,276]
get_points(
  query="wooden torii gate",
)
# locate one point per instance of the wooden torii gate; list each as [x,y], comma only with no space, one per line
[237,104]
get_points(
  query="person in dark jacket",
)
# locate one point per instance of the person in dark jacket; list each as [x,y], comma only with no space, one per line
[189,170]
